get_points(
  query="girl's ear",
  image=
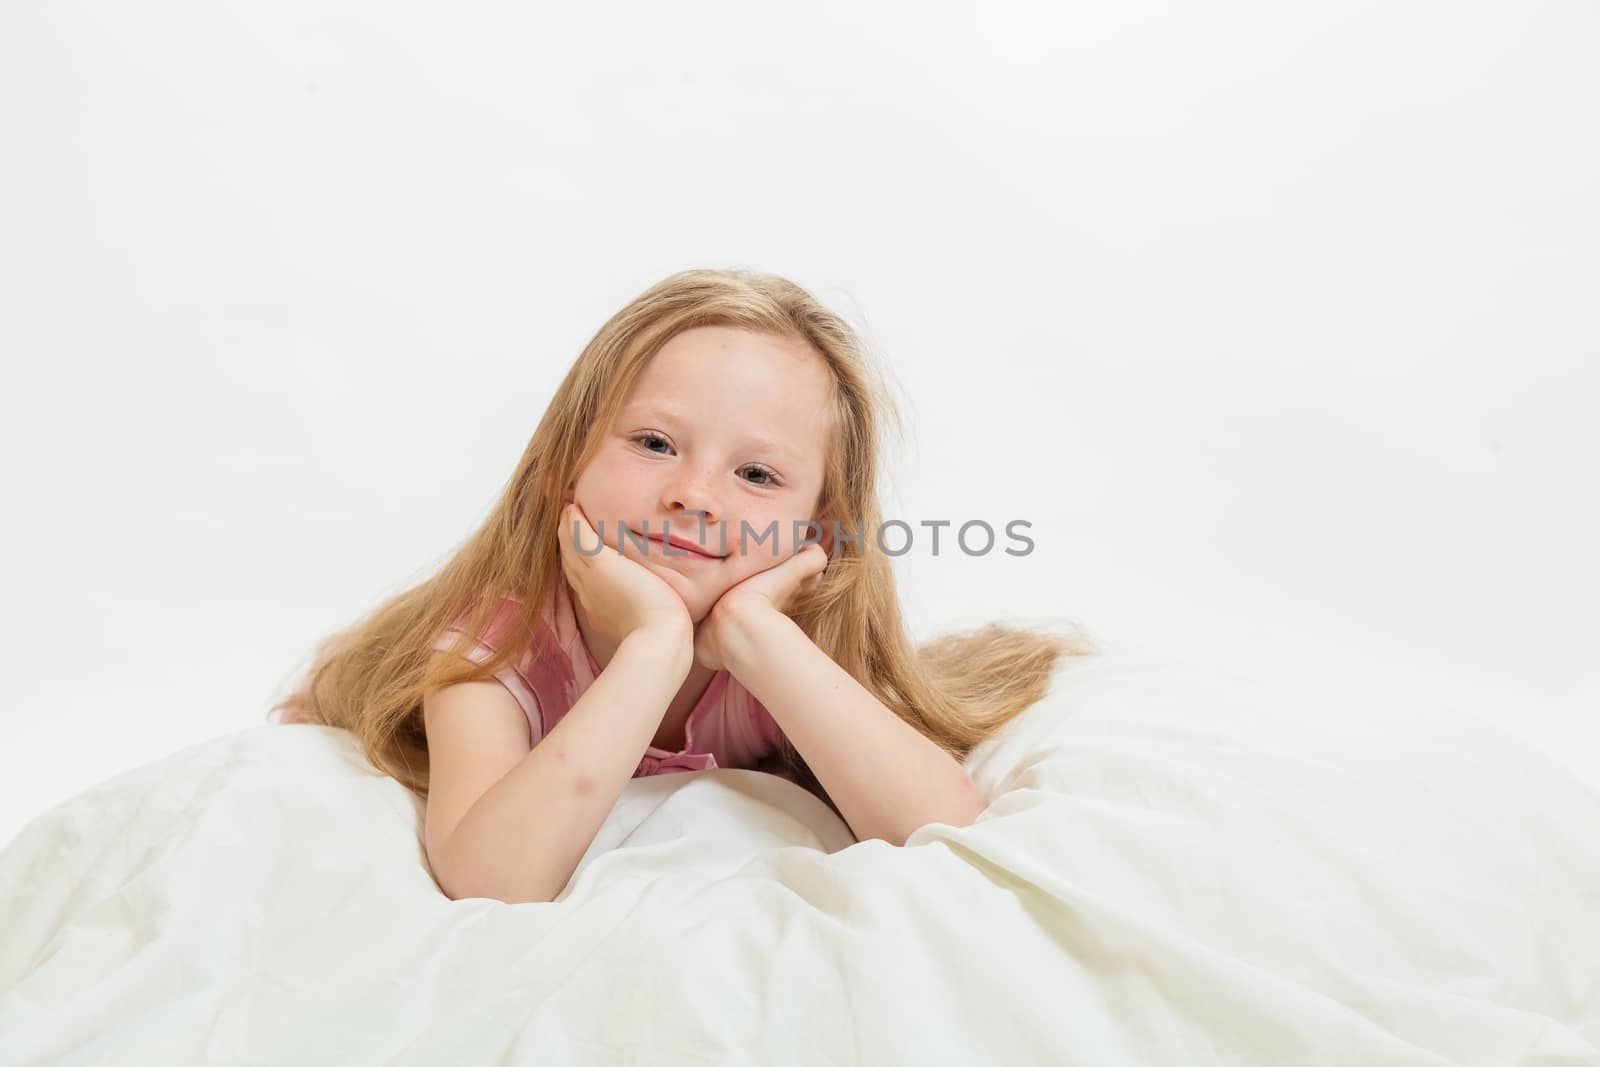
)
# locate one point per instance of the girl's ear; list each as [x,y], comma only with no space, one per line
[826,539]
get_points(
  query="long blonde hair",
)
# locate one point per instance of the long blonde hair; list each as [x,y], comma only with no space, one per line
[956,689]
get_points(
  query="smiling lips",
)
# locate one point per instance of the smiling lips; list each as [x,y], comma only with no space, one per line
[688,549]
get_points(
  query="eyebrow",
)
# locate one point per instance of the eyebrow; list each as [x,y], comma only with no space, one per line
[671,415]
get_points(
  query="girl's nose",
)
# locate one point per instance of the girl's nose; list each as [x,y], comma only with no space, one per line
[689,493]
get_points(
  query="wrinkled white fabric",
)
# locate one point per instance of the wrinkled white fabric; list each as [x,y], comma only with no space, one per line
[1177,867]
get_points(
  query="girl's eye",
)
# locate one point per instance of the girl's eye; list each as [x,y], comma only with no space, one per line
[642,438]
[768,476]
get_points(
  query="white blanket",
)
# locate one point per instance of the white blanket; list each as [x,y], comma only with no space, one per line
[1177,867]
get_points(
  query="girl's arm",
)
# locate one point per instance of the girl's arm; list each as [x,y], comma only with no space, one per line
[523,838]
[887,779]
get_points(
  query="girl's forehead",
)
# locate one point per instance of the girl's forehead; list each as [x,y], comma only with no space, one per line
[774,388]
[707,352]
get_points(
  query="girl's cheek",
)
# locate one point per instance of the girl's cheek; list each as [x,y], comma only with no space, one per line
[760,544]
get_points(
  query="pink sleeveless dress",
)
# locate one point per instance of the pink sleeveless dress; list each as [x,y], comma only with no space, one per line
[727,727]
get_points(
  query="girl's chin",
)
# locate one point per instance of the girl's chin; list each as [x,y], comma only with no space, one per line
[697,597]
[682,581]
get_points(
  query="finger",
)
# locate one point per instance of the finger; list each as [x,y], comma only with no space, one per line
[571,524]
[576,519]
[799,569]
[799,564]
[814,559]
[795,578]
[574,539]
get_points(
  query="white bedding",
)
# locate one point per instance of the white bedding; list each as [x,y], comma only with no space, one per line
[1178,867]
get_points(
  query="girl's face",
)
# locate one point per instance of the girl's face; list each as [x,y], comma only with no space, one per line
[724,422]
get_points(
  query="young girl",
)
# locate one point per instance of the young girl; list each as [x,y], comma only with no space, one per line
[696,518]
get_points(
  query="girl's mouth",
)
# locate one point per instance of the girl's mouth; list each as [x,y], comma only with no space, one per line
[681,549]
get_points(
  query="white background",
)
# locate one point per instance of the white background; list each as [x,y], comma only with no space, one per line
[1277,321]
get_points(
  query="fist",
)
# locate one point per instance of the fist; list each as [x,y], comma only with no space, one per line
[618,595]
[766,594]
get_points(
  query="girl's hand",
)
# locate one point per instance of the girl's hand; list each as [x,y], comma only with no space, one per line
[619,595]
[774,590]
